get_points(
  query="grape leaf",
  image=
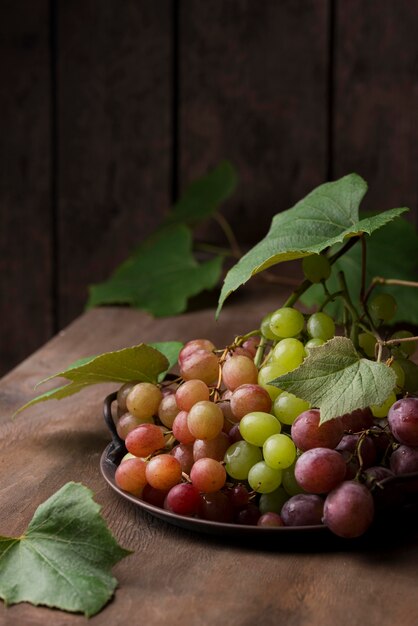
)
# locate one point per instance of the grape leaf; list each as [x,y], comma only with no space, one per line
[392,252]
[335,379]
[326,216]
[142,363]
[64,558]
[203,196]
[160,276]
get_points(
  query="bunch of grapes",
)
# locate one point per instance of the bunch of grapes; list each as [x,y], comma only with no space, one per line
[223,444]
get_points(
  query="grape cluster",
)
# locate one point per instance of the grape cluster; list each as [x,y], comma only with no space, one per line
[223,444]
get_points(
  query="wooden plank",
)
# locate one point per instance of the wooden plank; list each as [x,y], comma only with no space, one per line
[253,88]
[174,572]
[114,98]
[376,99]
[25,180]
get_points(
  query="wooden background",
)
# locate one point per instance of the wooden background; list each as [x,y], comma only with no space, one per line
[109,108]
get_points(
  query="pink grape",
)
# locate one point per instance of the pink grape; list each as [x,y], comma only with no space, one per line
[235,434]
[205,420]
[183,452]
[130,476]
[357,420]
[208,475]
[183,499]
[307,433]
[404,460]
[143,400]
[251,344]
[349,509]
[181,429]
[270,519]
[199,362]
[238,496]
[144,440]
[215,507]
[211,448]
[122,395]
[248,515]
[190,392]
[249,398]
[196,344]
[352,448]
[154,496]
[163,472]
[320,470]
[168,410]
[126,423]
[304,509]
[403,421]
[239,370]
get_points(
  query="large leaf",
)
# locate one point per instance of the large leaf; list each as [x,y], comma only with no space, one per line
[326,216]
[203,196]
[160,276]
[142,363]
[392,252]
[64,558]
[335,379]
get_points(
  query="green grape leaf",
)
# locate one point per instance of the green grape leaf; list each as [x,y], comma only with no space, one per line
[171,350]
[335,379]
[64,558]
[203,196]
[392,252]
[160,276]
[142,363]
[326,216]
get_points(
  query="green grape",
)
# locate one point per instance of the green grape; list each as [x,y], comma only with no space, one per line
[405,348]
[411,375]
[290,483]
[265,328]
[367,342]
[321,326]
[381,410]
[316,267]
[279,451]
[287,407]
[400,374]
[263,478]
[289,352]
[286,322]
[272,502]
[268,373]
[314,343]
[382,307]
[256,427]
[239,459]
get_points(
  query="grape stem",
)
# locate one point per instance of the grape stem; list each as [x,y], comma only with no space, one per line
[260,352]
[379,280]
[350,308]
[229,234]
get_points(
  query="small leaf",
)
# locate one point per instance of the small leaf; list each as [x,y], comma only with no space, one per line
[326,216]
[65,557]
[160,276]
[392,252]
[203,196]
[142,363]
[335,379]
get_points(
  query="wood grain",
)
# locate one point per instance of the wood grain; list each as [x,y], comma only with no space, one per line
[25,180]
[376,100]
[114,99]
[253,89]
[175,575]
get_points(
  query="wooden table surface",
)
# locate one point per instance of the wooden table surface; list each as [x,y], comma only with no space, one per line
[177,576]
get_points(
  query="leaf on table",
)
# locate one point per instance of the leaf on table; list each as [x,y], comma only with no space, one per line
[392,252]
[335,379]
[203,196]
[160,276]
[326,216]
[64,558]
[142,363]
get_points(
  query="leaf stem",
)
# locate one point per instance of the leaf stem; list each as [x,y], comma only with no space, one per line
[207,247]
[260,352]
[229,234]
[350,307]
[363,267]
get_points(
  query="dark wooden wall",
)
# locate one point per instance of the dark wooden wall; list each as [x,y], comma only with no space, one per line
[108,109]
